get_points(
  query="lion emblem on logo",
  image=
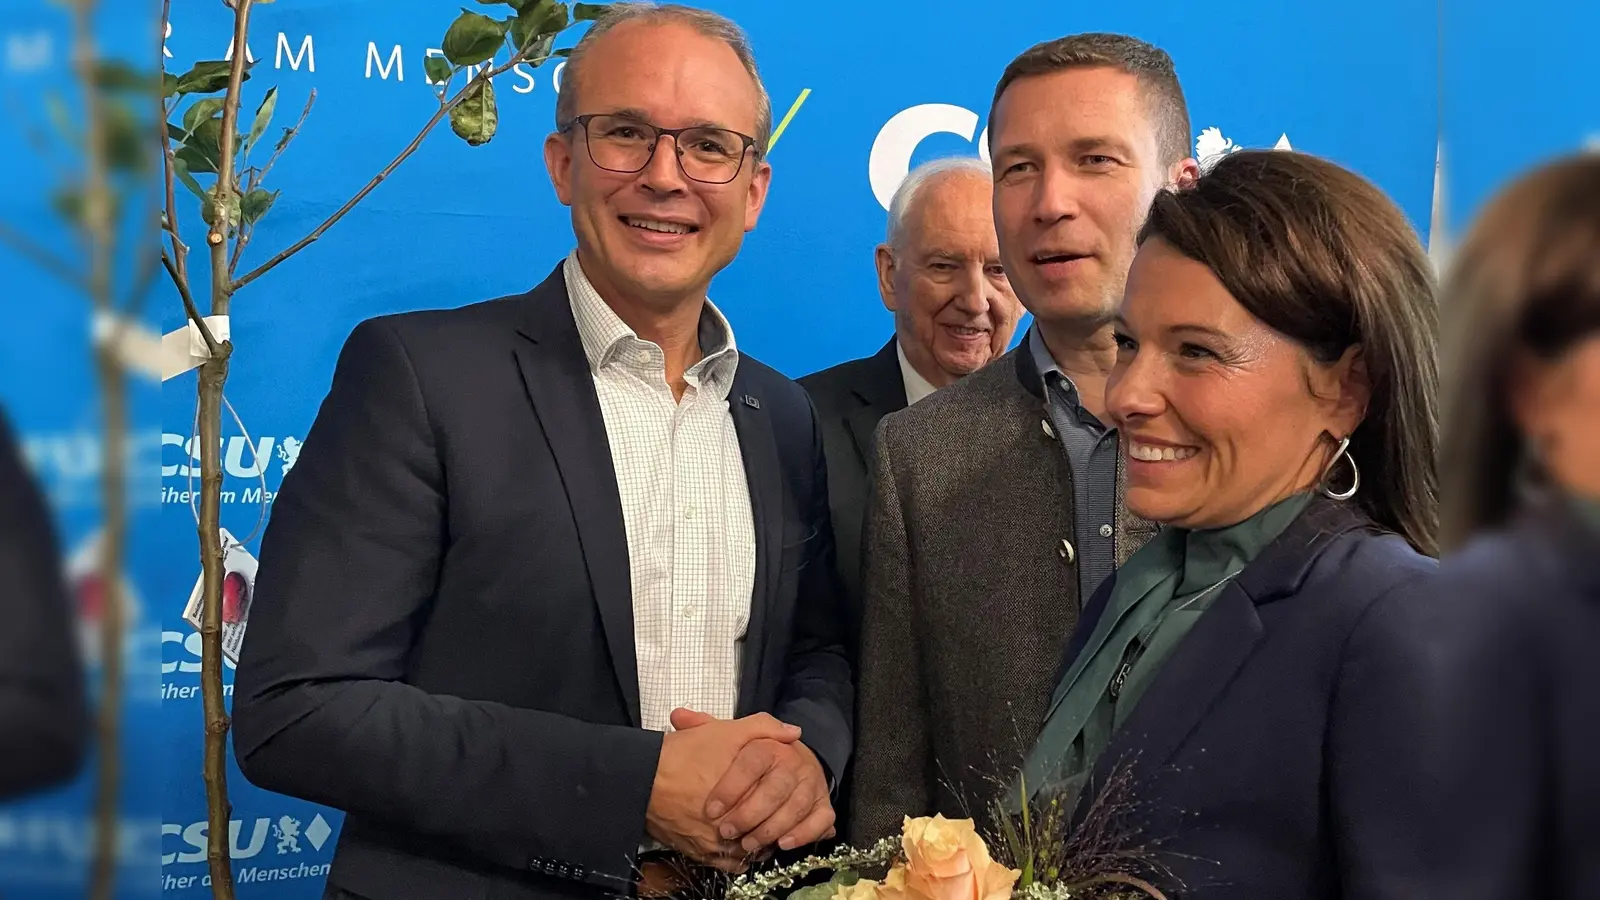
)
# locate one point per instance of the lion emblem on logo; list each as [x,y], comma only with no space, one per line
[287,831]
[289,452]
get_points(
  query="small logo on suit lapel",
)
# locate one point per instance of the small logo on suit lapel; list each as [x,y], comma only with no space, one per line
[751,402]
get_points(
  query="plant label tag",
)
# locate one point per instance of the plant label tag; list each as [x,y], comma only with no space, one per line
[238,589]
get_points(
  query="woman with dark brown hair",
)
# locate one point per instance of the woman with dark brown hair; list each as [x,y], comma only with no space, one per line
[1522,516]
[1257,672]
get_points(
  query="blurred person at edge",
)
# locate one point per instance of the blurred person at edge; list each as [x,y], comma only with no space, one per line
[547,604]
[939,273]
[44,723]
[1521,519]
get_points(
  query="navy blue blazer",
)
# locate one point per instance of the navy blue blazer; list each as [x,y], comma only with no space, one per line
[1524,622]
[442,640]
[1282,751]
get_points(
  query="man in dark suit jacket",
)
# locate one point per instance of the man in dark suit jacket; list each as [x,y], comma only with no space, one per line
[939,272]
[527,537]
[44,719]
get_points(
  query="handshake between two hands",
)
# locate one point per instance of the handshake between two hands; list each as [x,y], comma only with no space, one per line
[727,791]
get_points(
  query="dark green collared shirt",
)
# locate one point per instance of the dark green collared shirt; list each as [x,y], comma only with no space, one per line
[1159,594]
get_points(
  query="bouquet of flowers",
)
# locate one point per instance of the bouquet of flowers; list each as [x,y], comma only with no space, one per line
[1037,855]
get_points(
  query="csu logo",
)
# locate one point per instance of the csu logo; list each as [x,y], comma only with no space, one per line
[898,139]
[286,831]
[186,660]
[241,457]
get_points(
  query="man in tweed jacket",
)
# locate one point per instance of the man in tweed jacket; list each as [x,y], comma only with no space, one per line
[996,503]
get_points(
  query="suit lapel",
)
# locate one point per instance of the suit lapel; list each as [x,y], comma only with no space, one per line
[556,375]
[878,393]
[1220,644]
[1198,671]
[759,448]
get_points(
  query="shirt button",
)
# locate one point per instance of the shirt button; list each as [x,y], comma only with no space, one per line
[1105,531]
[688,512]
[688,612]
[1066,552]
[1048,431]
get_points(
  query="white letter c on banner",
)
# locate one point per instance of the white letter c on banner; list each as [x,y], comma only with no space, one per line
[890,159]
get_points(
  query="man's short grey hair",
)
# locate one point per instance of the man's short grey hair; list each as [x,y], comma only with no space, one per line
[919,179]
[705,22]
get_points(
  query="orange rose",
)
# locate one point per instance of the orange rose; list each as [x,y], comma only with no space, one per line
[946,860]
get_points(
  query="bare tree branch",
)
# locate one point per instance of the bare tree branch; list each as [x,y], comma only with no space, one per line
[99,234]
[283,142]
[242,233]
[46,260]
[188,306]
[212,377]
[180,252]
[416,142]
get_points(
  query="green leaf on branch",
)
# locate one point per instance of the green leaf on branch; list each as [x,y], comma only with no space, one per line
[534,24]
[202,148]
[544,17]
[169,84]
[269,104]
[181,169]
[196,161]
[200,112]
[207,138]
[588,12]
[255,204]
[476,118]
[539,50]
[438,69]
[564,52]
[473,39]
[207,77]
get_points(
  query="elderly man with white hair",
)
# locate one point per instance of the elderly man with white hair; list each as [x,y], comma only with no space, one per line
[939,272]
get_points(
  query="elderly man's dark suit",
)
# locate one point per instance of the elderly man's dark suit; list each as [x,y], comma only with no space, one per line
[851,398]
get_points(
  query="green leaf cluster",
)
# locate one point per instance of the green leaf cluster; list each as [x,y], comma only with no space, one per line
[827,889]
[475,39]
[198,139]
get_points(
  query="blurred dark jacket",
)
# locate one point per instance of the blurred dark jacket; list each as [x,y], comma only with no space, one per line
[1524,629]
[44,722]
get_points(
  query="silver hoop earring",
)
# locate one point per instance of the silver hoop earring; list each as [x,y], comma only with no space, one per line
[1529,483]
[1355,474]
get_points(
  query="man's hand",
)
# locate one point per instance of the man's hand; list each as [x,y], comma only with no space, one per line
[775,792]
[692,759]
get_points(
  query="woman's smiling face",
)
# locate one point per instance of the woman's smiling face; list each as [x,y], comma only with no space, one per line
[1220,415]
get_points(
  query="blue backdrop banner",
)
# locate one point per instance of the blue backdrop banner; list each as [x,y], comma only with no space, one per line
[1516,90]
[866,91]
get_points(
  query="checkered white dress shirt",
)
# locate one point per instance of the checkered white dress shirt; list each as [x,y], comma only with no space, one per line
[685,502]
